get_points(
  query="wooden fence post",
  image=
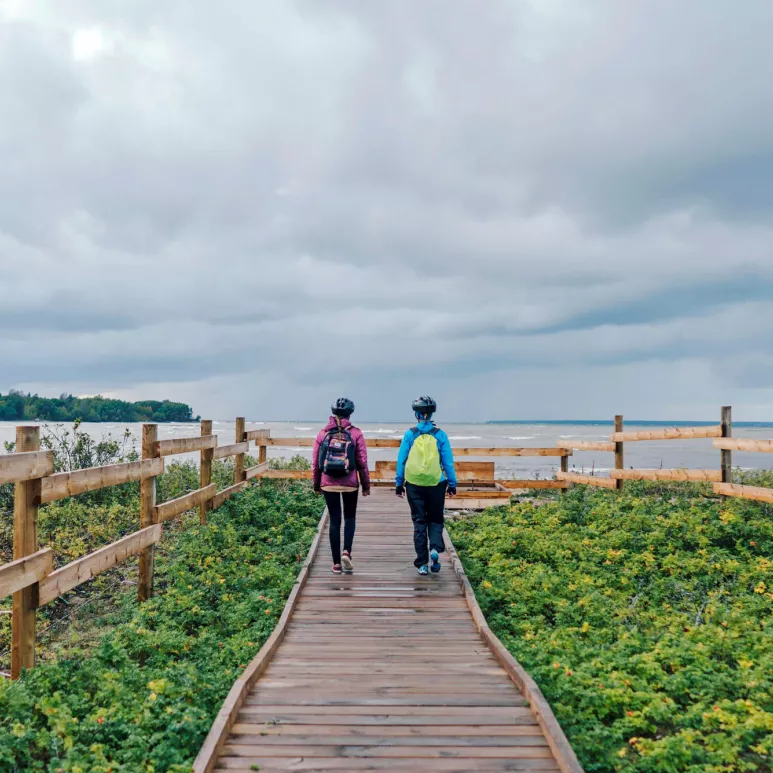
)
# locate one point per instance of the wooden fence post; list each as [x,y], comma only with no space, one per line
[727,456]
[239,458]
[565,468]
[263,451]
[619,455]
[205,469]
[147,512]
[25,542]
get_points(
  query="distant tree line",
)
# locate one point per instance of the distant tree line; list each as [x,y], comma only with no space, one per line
[16,406]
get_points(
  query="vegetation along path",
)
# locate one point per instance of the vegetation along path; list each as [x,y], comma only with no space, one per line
[384,670]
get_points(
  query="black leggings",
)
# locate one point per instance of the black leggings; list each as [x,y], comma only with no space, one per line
[427,511]
[333,501]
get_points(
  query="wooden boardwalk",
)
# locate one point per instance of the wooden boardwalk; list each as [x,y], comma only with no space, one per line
[385,670]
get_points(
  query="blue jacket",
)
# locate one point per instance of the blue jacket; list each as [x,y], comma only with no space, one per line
[444,448]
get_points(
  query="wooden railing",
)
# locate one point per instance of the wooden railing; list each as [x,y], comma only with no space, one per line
[31,576]
[619,437]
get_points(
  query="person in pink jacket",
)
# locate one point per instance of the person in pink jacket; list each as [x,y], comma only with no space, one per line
[340,467]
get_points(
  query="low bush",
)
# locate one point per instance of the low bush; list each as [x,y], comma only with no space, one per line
[144,699]
[644,616]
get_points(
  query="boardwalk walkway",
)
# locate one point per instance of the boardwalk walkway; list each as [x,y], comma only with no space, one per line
[384,670]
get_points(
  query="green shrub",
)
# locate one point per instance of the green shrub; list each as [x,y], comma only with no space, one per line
[644,617]
[144,700]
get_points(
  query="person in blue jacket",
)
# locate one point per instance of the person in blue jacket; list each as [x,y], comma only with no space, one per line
[425,472]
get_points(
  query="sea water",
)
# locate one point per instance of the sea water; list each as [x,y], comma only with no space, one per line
[695,454]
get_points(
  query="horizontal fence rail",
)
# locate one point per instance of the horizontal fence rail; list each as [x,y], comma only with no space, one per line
[587,480]
[697,476]
[84,569]
[587,445]
[756,493]
[744,444]
[25,571]
[70,484]
[671,433]
[15,468]
[185,445]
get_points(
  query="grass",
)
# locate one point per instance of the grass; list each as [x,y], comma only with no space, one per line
[645,617]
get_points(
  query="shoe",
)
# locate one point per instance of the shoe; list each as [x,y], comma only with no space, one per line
[424,570]
[346,561]
[336,569]
[435,558]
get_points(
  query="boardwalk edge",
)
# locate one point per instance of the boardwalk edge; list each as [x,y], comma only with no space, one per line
[554,734]
[221,727]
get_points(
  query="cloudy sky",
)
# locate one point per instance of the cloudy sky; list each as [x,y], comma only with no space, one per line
[526,208]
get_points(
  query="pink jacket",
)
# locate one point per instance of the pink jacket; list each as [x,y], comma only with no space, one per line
[361,453]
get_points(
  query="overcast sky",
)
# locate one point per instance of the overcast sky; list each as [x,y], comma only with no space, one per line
[525,208]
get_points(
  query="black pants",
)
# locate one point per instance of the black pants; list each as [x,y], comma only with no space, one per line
[427,511]
[333,501]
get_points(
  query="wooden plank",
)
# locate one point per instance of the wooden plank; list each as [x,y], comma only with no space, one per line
[26,500]
[239,458]
[185,445]
[559,745]
[222,452]
[465,471]
[533,484]
[587,480]
[756,493]
[258,434]
[227,493]
[512,452]
[70,484]
[205,470]
[176,506]
[82,570]
[288,474]
[403,765]
[477,493]
[25,571]
[16,468]
[218,735]
[743,444]
[695,476]
[586,445]
[254,472]
[390,752]
[148,515]
[670,433]
[481,503]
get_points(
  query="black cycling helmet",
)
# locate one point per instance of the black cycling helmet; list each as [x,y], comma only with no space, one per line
[343,407]
[425,406]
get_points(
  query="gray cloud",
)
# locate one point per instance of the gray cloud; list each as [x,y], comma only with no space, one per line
[257,208]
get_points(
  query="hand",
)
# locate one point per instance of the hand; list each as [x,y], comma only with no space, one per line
[317,490]
[400,491]
[366,492]
[452,491]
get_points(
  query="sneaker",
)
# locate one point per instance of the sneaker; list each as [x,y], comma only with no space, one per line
[346,561]
[336,569]
[424,570]
[435,558]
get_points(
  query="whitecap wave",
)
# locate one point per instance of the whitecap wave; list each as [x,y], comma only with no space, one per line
[521,437]
[303,429]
